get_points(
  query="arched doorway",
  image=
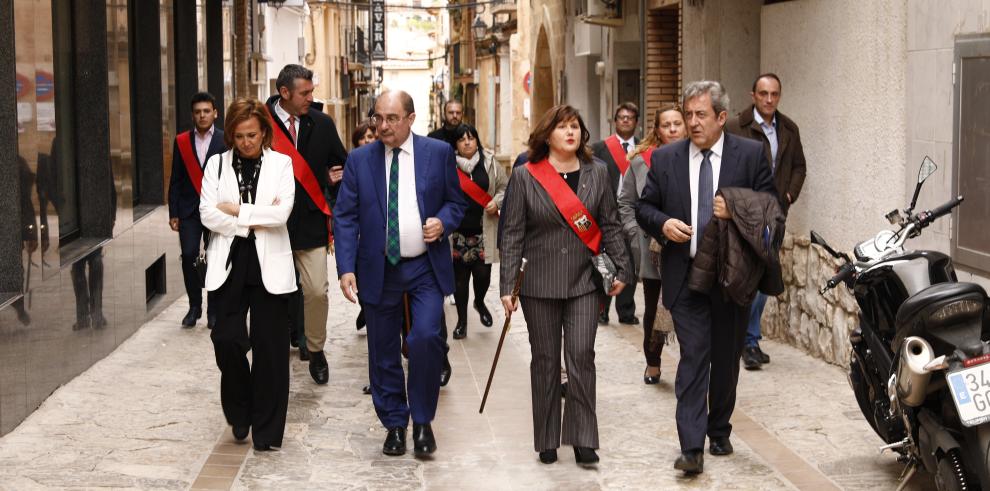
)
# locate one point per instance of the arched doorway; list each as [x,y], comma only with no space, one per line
[543,89]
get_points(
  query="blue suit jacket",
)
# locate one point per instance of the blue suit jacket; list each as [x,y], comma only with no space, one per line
[668,195]
[359,216]
[183,201]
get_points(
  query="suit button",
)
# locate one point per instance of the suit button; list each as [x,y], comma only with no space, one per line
[563,250]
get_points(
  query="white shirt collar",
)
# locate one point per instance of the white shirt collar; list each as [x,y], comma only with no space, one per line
[283,115]
[759,118]
[209,133]
[406,146]
[716,148]
[631,141]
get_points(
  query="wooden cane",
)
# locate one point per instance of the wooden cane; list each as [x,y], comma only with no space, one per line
[505,329]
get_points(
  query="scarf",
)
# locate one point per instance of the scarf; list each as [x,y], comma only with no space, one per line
[467,165]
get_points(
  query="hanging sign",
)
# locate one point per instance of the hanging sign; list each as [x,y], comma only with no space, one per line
[378,30]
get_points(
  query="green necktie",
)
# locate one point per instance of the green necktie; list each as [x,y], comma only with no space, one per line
[392,251]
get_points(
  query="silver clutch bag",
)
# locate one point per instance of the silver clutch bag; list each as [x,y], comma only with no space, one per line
[603,271]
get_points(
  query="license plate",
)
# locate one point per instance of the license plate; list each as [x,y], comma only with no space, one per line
[971,392]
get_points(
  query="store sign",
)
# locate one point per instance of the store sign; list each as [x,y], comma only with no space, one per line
[378,30]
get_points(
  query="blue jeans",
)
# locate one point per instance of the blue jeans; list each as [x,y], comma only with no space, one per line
[753,336]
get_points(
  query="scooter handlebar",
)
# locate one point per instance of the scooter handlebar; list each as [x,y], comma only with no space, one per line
[845,273]
[927,217]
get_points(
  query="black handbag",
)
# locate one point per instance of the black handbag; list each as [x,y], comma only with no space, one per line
[603,272]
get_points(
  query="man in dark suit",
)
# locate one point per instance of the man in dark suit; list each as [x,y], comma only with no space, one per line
[781,140]
[453,115]
[398,203]
[198,144]
[613,151]
[315,140]
[677,204]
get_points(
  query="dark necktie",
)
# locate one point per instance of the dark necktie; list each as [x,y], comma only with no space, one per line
[392,250]
[292,128]
[625,147]
[705,194]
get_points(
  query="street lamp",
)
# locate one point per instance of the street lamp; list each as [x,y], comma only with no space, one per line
[479,28]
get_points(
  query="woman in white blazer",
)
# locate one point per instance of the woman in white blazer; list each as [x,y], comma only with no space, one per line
[247,195]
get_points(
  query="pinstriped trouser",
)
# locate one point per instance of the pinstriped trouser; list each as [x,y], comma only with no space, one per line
[546,319]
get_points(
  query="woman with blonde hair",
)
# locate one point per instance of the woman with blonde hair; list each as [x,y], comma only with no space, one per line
[668,127]
[247,196]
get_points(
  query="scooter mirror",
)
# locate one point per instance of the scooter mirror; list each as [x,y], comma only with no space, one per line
[817,239]
[928,168]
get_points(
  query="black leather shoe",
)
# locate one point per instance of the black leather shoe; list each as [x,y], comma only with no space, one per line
[719,445]
[691,462]
[751,358]
[423,441]
[548,456]
[651,379]
[240,432]
[318,367]
[603,319]
[460,330]
[366,390]
[764,358]
[486,316]
[395,442]
[585,455]
[293,340]
[360,322]
[211,321]
[630,321]
[563,390]
[262,447]
[445,371]
[303,352]
[191,317]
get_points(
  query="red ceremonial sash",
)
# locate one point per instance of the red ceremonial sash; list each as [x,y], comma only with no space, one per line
[568,204]
[648,155]
[282,144]
[618,154]
[473,190]
[184,142]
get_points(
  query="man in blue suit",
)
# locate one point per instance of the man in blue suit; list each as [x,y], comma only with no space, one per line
[199,144]
[398,202]
[677,204]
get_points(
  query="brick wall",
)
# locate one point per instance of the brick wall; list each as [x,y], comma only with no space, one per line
[663,59]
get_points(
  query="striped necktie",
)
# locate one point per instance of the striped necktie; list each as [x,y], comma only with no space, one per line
[392,250]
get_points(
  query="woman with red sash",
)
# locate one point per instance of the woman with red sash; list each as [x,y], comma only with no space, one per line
[483,182]
[563,213]
[668,127]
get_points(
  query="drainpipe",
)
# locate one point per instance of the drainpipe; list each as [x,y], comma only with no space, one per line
[642,68]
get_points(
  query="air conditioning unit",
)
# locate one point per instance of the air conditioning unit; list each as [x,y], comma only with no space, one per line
[587,39]
[606,13]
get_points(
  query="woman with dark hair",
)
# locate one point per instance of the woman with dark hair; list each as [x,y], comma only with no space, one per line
[474,242]
[564,214]
[247,196]
[668,127]
[365,133]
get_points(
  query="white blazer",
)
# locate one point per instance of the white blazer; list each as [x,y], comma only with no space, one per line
[275,182]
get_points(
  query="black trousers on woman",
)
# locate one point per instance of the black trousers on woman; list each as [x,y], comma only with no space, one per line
[256,394]
[462,275]
[651,295]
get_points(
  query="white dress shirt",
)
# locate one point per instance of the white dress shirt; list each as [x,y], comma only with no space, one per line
[283,115]
[411,242]
[770,130]
[202,145]
[694,172]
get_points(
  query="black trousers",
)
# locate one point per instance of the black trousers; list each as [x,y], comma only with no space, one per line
[625,303]
[651,296]
[462,276]
[255,395]
[191,235]
[711,331]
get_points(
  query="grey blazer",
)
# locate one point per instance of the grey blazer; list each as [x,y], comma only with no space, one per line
[559,264]
[632,187]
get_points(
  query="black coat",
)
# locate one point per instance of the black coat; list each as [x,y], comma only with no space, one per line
[320,145]
[601,152]
[444,134]
[183,200]
[668,195]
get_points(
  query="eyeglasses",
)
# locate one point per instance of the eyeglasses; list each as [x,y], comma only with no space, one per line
[391,119]
[626,117]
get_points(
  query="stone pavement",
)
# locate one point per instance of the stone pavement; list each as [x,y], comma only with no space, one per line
[148,417]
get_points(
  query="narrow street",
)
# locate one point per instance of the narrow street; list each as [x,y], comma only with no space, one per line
[148,417]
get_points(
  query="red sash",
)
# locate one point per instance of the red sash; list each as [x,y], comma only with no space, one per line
[648,155]
[473,190]
[568,204]
[184,142]
[282,144]
[618,154]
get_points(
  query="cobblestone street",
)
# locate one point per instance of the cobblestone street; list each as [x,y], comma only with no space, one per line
[148,417]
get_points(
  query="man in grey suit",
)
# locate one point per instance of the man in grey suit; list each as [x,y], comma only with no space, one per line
[677,204]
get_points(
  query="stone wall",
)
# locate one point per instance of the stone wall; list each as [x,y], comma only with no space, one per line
[802,317]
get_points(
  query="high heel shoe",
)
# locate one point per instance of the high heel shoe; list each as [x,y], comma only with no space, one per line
[650,379]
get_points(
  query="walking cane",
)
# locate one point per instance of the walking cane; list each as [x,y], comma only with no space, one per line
[505,329]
